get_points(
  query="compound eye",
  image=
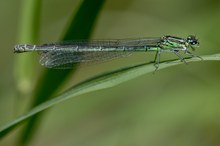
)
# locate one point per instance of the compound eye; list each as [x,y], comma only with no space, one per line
[192,40]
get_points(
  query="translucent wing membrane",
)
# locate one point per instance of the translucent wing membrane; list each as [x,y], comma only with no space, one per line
[105,43]
[66,60]
[65,54]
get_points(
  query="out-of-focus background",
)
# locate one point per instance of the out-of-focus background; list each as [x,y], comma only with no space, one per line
[174,106]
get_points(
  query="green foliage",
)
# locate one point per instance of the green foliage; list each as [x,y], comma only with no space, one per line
[103,81]
[175,106]
[80,27]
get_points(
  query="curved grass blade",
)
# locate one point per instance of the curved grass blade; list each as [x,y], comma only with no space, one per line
[103,81]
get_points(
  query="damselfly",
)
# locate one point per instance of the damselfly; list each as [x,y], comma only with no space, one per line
[64,55]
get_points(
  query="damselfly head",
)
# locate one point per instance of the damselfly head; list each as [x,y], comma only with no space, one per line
[193,41]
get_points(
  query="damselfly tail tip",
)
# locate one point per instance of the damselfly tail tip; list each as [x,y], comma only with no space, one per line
[20,48]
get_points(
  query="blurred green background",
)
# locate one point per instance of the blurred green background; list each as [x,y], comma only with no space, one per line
[175,106]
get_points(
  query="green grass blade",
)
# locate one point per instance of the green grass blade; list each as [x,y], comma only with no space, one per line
[80,27]
[28,33]
[84,20]
[100,82]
